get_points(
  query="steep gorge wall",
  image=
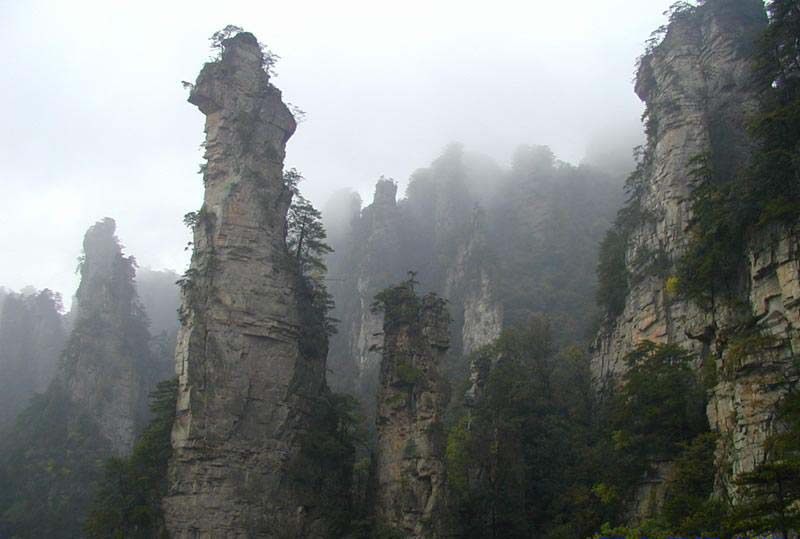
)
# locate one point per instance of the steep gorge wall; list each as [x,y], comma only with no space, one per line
[699,90]
[249,366]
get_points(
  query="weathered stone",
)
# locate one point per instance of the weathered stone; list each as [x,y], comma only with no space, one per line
[248,371]
[412,398]
[699,90]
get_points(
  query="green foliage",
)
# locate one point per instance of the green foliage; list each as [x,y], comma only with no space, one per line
[399,304]
[50,463]
[657,410]
[322,472]
[458,458]
[218,38]
[128,500]
[305,240]
[688,508]
[773,185]
[660,404]
[218,41]
[647,530]
[746,345]
[710,267]
[727,210]
[533,409]
[306,235]
[408,374]
[612,273]
[613,276]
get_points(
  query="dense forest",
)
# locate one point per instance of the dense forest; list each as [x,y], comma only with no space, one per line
[539,350]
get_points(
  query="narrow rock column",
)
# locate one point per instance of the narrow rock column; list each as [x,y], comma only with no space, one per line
[107,360]
[412,398]
[247,376]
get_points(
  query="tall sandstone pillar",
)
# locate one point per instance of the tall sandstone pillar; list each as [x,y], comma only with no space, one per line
[411,401]
[246,373]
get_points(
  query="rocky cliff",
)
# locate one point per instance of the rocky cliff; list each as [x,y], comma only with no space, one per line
[249,365]
[698,88]
[409,456]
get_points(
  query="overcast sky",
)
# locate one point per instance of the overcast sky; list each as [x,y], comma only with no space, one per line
[95,121]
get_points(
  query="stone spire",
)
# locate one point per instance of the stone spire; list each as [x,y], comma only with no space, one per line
[411,401]
[107,358]
[246,373]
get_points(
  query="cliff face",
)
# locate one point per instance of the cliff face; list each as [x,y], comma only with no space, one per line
[755,359]
[412,397]
[247,372]
[698,88]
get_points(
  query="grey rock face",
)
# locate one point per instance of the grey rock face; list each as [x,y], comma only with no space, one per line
[412,397]
[246,372]
[698,89]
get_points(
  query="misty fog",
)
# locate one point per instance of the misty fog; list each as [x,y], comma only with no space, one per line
[97,122]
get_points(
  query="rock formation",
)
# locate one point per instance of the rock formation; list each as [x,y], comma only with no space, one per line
[250,367]
[411,400]
[376,244]
[501,246]
[698,89]
[107,368]
[94,407]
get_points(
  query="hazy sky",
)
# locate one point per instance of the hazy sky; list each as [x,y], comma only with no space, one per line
[96,123]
